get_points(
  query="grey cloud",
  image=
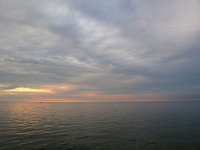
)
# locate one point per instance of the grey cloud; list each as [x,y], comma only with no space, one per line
[117,46]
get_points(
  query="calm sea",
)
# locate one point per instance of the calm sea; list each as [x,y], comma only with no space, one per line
[100,126]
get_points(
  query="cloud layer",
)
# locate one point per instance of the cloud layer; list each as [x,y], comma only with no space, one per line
[130,49]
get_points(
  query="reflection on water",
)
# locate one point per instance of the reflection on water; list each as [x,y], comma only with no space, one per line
[85,126]
[24,114]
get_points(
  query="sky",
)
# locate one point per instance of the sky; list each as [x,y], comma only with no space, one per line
[99,50]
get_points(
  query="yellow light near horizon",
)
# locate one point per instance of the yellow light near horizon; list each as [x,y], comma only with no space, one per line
[27,90]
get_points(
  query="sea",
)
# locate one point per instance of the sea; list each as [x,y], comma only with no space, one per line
[171,125]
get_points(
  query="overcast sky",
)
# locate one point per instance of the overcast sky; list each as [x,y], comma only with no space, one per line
[99,50]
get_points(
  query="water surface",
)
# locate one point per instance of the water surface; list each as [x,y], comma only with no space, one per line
[100,126]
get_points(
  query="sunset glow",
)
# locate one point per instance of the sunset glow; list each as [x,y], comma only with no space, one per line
[27,90]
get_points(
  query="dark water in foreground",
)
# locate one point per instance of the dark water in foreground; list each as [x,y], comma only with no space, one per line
[100,126]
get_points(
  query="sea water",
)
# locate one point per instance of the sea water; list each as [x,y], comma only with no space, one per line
[100,126]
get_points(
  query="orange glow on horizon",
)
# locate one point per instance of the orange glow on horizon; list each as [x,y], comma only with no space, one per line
[40,90]
[58,93]
[54,100]
[88,97]
[105,96]
[4,85]
[61,87]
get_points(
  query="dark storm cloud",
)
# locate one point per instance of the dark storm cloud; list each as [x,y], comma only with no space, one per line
[116,46]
